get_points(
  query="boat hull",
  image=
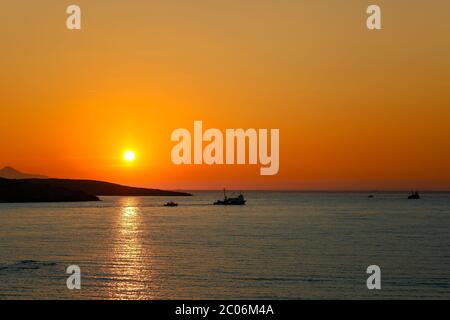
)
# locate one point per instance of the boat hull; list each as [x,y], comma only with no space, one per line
[229,203]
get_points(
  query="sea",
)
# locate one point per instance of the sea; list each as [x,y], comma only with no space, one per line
[281,245]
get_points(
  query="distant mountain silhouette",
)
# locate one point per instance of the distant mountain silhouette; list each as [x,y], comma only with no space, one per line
[11,173]
[12,191]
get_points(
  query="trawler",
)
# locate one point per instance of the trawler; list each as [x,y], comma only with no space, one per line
[231,201]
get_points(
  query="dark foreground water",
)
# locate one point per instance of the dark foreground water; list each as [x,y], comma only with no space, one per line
[279,246]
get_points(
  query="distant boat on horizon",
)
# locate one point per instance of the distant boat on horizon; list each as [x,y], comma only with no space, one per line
[171,204]
[414,195]
[231,201]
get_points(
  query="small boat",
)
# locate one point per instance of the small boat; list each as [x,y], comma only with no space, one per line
[370,196]
[414,195]
[171,204]
[231,201]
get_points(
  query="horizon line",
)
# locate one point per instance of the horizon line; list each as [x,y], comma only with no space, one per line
[318,190]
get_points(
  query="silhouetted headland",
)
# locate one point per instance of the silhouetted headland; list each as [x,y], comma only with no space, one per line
[15,191]
[67,190]
[101,188]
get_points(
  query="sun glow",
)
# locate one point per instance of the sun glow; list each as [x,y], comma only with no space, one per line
[129,156]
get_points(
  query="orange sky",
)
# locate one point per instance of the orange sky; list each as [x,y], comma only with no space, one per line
[356,109]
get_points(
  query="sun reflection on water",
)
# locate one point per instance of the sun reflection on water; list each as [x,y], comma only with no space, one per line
[130,266]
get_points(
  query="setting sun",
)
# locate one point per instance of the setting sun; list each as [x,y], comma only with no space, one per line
[129,156]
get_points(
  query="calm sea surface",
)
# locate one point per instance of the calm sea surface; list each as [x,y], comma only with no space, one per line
[279,246]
